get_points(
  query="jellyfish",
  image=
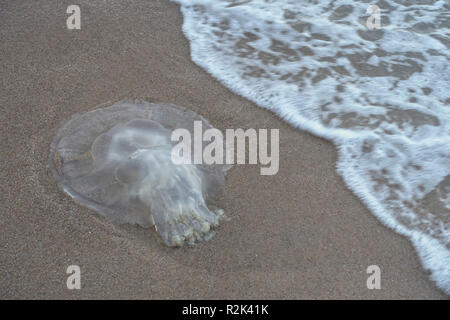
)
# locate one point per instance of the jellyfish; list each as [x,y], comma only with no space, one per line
[116,160]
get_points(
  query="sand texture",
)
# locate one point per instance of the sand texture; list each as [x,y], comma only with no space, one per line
[298,234]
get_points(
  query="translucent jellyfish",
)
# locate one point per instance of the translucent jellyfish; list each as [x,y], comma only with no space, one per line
[117,161]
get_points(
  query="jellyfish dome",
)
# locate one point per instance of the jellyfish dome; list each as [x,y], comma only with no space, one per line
[117,161]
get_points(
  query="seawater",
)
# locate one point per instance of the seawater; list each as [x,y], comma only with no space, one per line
[381,96]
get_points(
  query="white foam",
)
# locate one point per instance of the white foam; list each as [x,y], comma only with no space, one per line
[381,96]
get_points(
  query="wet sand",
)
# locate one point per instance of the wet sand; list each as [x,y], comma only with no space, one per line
[298,234]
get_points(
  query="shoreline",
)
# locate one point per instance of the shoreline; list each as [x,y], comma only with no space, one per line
[298,234]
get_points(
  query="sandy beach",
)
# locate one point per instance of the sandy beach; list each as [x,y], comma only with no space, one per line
[300,234]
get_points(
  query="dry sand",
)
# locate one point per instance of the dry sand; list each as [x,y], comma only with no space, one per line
[298,234]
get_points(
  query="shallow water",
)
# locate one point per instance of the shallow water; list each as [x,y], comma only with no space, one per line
[382,96]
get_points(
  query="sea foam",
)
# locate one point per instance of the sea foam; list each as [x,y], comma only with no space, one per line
[381,96]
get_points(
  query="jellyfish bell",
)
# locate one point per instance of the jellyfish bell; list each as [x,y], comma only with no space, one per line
[117,161]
